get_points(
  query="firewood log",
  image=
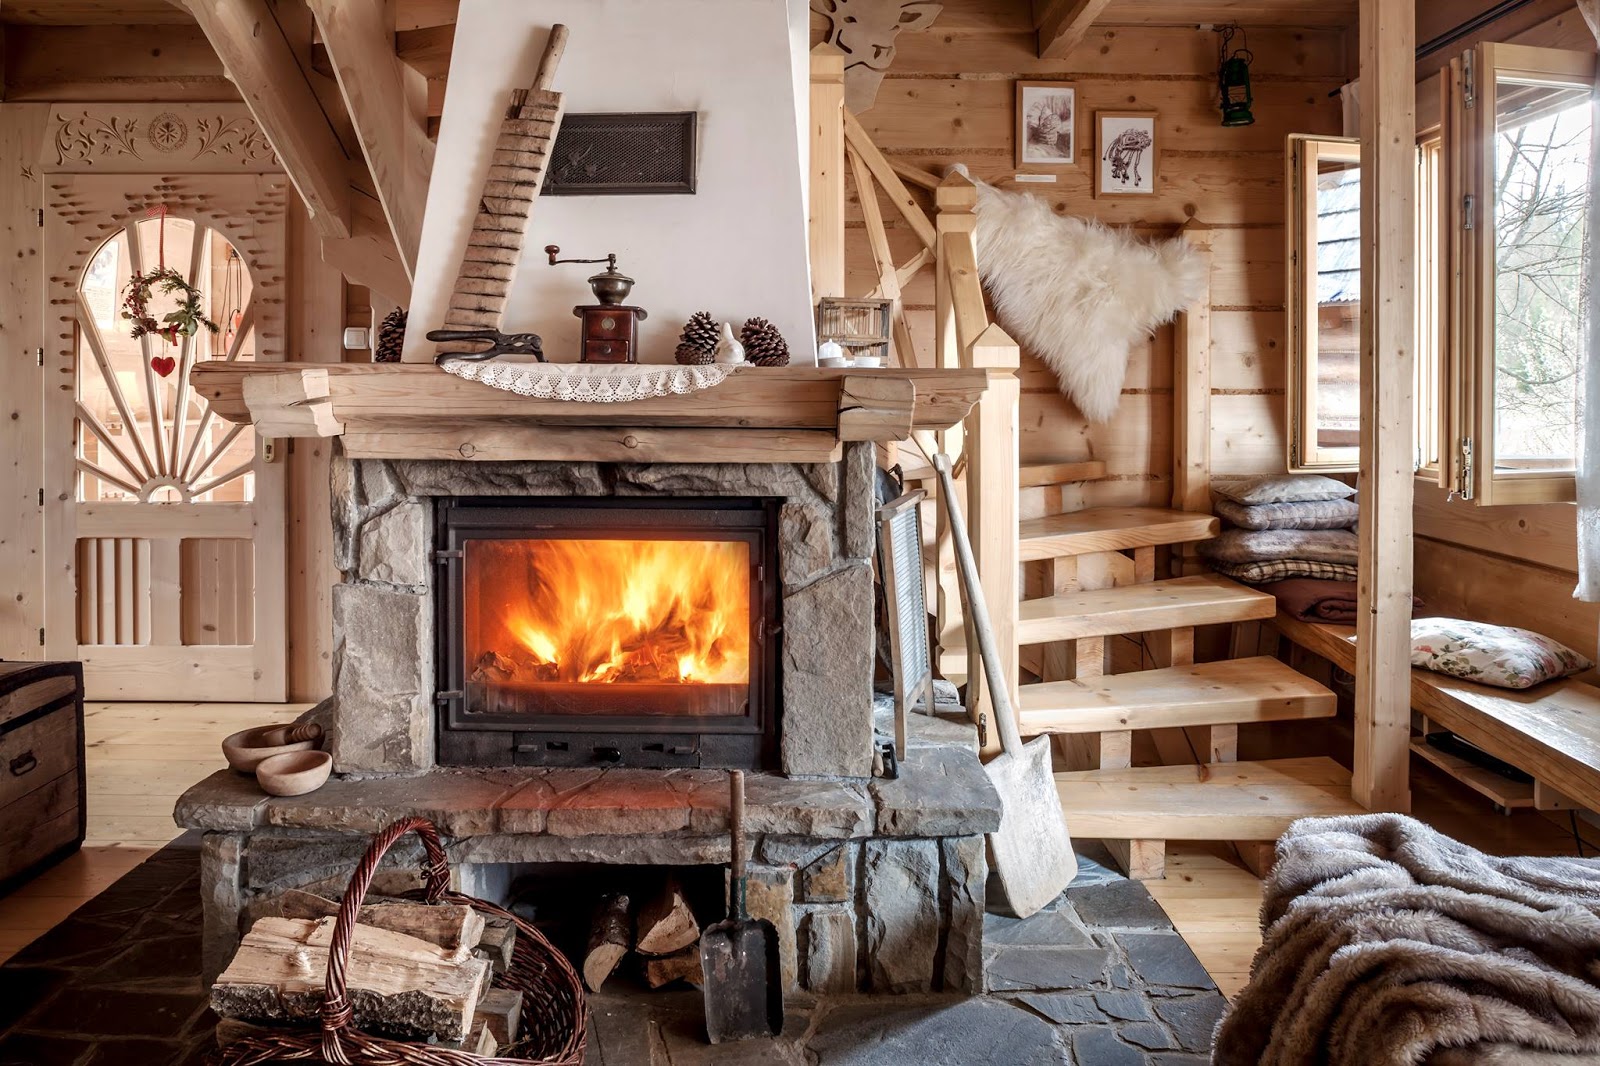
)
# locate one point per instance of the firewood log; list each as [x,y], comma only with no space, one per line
[609,940]
[449,925]
[399,986]
[497,943]
[501,1010]
[684,966]
[666,924]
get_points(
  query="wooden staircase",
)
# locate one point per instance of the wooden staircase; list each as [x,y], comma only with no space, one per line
[1192,711]
[1090,576]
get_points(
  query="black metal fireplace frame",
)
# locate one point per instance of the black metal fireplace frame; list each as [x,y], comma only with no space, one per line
[748,740]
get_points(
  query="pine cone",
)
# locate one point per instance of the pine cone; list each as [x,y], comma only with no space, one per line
[691,355]
[701,332]
[391,337]
[763,344]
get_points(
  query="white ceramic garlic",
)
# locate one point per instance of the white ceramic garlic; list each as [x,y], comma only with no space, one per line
[728,350]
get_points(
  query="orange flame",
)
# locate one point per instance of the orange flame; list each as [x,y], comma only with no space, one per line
[612,611]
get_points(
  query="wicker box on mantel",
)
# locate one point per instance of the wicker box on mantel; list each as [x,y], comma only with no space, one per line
[42,802]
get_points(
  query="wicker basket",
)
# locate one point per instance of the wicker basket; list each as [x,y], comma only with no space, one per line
[554,1011]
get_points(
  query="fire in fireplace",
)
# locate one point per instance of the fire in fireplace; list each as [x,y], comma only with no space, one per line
[607,632]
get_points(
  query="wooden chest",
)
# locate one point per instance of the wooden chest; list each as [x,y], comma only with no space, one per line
[42,801]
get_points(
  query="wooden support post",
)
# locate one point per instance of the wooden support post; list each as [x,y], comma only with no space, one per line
[827,172]
[1142,860]
[1381,777]
[1063,24]
[1191,408]
[388,103]
[261,63]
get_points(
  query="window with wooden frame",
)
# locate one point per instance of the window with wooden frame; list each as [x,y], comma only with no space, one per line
[1520,120]
[1323,180]
[1431,385]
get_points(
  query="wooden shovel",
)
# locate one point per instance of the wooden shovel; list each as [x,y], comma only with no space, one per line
[1031,854]
[739,957]
[521,156]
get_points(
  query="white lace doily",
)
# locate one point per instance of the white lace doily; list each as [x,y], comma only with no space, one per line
[590,382]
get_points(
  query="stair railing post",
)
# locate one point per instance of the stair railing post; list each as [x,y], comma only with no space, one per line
[965,338]
[1191,431]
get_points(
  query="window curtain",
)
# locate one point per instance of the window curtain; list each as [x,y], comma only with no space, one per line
[1589,453]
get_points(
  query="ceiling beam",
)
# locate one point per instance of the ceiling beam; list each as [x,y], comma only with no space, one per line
[368,256]
[1591,15]
[1063,24]
[261,64]
[387,101]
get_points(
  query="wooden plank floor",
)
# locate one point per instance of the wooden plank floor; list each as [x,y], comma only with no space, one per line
[1215,903]
[141,756]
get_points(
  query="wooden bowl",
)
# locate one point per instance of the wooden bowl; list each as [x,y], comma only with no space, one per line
[294,773]
[245,749]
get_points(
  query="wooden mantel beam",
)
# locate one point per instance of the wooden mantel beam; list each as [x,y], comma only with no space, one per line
[1063,24]
[388,103]
[261,64]
[1381,777]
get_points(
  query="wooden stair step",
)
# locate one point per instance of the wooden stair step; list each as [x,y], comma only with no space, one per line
[1104,529]
[1260,689]
[1038,475]
[1205,599]
[1219,801]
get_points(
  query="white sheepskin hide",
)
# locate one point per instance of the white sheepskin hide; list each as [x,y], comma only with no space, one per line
[1078,294]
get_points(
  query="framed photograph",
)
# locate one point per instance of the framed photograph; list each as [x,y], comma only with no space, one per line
[1125,153]
[1047,124]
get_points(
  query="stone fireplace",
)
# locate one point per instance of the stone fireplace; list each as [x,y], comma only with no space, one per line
[874,884]
[392,714]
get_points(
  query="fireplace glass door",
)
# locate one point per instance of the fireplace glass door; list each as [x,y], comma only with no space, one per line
[607,632]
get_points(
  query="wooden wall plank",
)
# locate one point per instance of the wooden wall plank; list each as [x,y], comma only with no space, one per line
[22,608]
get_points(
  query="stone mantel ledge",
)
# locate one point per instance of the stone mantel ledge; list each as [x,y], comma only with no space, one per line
[941,792]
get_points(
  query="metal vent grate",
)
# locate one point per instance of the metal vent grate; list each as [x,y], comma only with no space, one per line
[626,154]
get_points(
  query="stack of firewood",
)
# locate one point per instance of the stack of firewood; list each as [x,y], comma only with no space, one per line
[665,938]
[417,972]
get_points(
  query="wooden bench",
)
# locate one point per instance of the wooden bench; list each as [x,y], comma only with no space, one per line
[1550,731]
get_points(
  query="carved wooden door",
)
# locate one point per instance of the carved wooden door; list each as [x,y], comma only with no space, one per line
[167,527]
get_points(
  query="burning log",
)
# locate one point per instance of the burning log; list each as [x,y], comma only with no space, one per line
[494,668]
[609,940]
[666,924]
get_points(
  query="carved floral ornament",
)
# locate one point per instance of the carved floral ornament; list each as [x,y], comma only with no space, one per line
[91,140]
[865,31]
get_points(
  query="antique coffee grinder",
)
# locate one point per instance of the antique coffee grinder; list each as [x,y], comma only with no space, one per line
[610,328]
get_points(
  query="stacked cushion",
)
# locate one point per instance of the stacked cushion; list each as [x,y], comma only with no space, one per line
[1288,526]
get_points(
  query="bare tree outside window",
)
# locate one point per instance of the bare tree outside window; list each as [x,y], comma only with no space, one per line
[1541,190]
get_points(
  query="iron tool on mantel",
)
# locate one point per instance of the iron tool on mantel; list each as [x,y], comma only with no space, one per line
[1031,853]
[520,344]
[739,956]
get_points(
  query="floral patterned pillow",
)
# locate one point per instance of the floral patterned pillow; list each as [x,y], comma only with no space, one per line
[1503,656]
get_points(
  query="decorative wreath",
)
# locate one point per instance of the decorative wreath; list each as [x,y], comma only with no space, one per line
[185,321]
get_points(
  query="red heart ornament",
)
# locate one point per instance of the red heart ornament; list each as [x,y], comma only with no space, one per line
[163,364]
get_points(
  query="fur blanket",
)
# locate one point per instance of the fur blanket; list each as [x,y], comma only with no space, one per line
[1078,294]
[1386,942]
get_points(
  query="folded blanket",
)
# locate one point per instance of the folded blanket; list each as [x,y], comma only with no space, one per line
[1384,941]
[1310,514]
[1264,545]
[1311,600]
[1283,569]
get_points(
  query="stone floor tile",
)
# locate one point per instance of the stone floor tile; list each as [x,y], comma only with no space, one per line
[1118,905]
[1054,927]
[1164,959]
[1193,1019]
[1097,1045]
[1151,1036]
[1043,969]
[1124,1006]
[120,1012]
[31,1049]
[129,1052]
[1064,1008]
[1095,865]
[23,989]
[944,1032]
